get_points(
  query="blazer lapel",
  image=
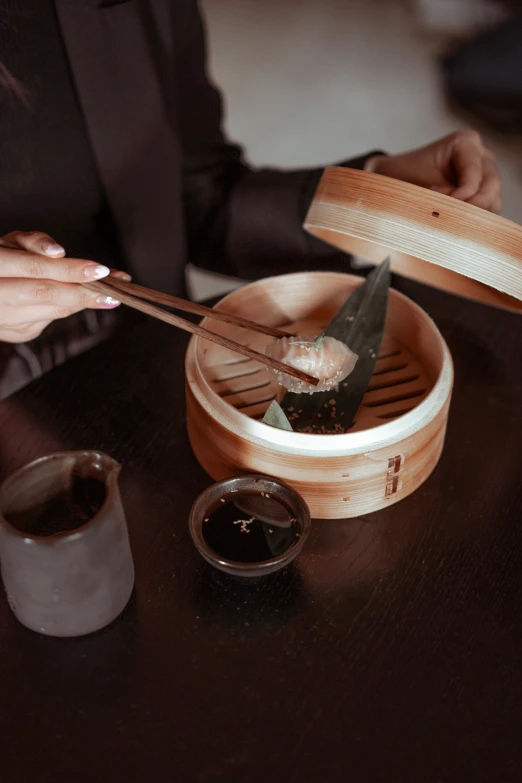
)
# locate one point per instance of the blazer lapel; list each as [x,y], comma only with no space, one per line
[135,147]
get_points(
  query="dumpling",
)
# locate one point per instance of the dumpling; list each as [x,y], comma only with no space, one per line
[327,359]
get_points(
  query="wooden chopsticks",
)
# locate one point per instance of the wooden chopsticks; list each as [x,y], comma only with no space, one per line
[191,307]
[120,290]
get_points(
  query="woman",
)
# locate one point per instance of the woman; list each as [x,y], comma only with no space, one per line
[112,152]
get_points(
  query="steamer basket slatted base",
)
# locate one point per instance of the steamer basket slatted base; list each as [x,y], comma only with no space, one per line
[399,430]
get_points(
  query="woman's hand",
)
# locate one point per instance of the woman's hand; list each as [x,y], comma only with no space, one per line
[38,285]
[458,165]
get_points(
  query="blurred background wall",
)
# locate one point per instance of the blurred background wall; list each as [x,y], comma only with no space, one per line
[308,82]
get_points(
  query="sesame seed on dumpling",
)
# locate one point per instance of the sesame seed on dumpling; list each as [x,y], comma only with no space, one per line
[325,358]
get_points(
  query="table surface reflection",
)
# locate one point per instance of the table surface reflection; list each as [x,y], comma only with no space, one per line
[391,651]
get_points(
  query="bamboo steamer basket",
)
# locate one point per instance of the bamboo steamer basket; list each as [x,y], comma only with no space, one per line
[399,429]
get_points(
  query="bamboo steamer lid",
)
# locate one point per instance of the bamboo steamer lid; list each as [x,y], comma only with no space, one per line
[430,237]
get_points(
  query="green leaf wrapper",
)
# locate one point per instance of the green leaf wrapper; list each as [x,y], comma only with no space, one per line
[360,325]
[276,417]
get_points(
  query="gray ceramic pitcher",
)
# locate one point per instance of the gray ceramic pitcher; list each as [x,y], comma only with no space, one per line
[64,547]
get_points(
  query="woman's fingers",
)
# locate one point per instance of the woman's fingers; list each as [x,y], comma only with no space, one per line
[22,264]
[50,263]
[34,242]
[119,275]
[468,161]
[479,181]
[32,315]
[19,324]
[458,165]
[39,285]
[489,192]
[23,333]
[478,177]
[446,190]
[60,297]
[497,205]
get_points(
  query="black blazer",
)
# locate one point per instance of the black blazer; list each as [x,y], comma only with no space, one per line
[178,190]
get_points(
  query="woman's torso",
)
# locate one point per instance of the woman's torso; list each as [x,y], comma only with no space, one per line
[47,169]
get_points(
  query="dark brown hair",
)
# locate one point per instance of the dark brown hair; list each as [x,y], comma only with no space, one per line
[11,85]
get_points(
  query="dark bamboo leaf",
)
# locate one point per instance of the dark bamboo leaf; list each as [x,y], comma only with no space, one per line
[360,325]
[276,417]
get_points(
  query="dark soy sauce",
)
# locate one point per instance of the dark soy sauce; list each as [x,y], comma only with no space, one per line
[250,528]
[68,509]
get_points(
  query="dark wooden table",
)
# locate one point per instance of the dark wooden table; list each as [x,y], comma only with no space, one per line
[392,652]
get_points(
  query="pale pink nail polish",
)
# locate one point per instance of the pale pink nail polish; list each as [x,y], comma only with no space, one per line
[52,248]
[96,272]
[119,275]
[107,301]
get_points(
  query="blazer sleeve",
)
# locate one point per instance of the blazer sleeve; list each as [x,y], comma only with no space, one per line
[240,221]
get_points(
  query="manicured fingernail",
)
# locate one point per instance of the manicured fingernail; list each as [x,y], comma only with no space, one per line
[119,275]
[107,301]
[52,248]
[96,272]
